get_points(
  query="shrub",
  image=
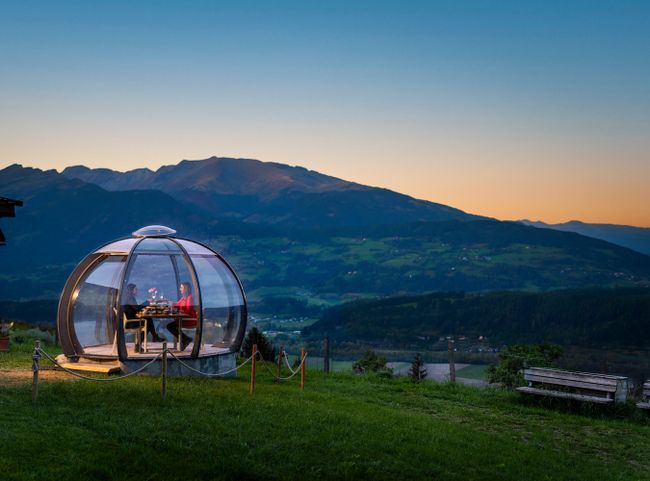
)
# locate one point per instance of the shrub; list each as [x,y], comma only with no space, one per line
[514,358]
[28,336]
[264,346]
[371,362]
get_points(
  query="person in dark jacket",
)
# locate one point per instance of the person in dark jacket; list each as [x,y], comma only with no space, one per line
[131,309]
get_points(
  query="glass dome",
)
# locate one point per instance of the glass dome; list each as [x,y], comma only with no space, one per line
[127,297]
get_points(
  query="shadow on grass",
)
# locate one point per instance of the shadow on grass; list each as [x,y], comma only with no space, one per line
[627,411]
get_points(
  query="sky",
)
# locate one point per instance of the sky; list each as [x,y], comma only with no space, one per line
[510,109]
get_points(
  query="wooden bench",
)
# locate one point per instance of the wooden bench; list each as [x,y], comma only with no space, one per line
[582,386]
[645,404]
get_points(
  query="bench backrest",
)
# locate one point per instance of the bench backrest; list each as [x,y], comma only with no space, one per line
[603,383]
[646,390]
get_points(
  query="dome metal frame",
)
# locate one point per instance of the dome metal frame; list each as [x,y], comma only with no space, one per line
[65,320]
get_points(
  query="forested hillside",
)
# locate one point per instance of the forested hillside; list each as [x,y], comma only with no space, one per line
[585,317]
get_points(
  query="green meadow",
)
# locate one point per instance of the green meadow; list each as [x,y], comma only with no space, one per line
[329,268]
[341,427]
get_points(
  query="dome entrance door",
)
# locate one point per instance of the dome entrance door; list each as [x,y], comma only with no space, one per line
[93,300]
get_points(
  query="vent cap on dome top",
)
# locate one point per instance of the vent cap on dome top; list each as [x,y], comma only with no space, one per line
[154,231]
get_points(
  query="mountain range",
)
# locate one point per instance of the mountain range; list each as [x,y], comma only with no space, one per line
[292,233]
[270,193]
[636,238]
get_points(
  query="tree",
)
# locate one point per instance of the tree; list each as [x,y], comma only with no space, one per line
[371,362]
[264,346]
[514,358]
[417,372]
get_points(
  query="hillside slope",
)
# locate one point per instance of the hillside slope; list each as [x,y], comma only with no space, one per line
[589,318]
[636,238]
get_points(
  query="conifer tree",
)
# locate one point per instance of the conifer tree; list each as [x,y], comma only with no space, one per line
[264,346]
[417,372]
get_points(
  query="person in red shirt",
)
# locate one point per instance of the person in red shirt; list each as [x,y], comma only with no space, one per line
[186,306]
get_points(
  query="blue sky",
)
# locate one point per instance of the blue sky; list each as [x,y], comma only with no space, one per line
[504,108]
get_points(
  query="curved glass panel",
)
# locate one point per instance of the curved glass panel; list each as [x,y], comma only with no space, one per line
[154,231]
[223,302]
[124,245]
[194,248]
[92,306]
[157,245]
[152,292]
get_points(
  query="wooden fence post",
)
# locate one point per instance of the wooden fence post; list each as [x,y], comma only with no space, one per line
[281,353]
[164,370]
[302,368]
[326,355]
[452,364]
[254,358]
[36,357]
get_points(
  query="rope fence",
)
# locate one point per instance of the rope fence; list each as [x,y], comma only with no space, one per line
[299,366]
[94,378]
[163,356]
[210,374]
[298,370]
[286,360]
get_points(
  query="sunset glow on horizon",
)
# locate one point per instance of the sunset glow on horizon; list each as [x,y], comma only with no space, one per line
[512,110]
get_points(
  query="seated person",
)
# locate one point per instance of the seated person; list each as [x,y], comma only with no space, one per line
[131,309]
[186,306]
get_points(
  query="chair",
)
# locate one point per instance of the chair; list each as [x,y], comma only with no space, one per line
[140,327]
[187,323]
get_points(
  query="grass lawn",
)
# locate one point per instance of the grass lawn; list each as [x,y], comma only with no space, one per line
[341,427]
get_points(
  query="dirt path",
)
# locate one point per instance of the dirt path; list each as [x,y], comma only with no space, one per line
[12,377]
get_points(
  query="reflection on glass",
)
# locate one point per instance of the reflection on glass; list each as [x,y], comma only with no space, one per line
[93,302]
[194,248]
[124,245]
[222,299]
[154,275]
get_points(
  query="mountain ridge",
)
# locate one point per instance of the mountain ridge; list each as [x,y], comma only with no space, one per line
[632,237]
[253,176]
[273,193]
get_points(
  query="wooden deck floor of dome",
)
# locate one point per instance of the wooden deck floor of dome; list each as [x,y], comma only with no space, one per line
[153,349]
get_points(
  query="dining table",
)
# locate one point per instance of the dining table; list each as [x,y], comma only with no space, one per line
[161,314]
